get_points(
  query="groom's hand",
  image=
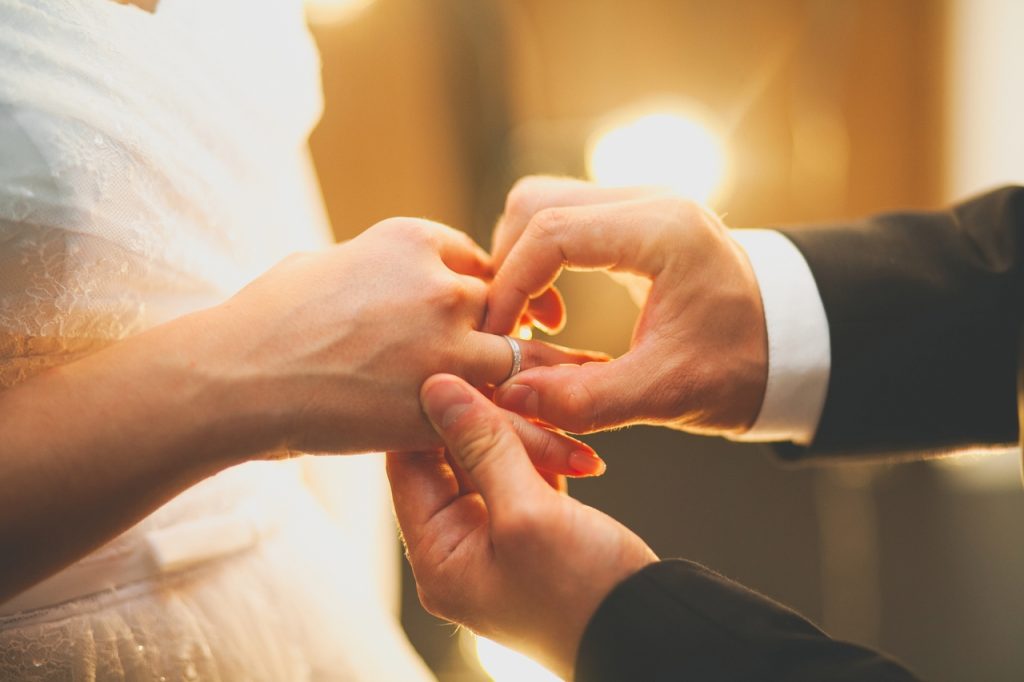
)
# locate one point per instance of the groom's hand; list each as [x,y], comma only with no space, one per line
[499,550]
[699,356]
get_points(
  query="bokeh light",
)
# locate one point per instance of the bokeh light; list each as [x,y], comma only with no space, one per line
[505,665]
[670,148]
[333,11]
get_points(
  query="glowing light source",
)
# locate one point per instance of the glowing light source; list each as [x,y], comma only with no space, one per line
[333,11]
[505,665]
[665,146]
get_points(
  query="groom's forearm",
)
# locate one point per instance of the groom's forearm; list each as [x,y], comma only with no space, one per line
[678,620]
[924,311]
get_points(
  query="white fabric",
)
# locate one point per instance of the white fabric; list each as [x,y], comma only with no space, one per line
[799,350]
[150,165]
[167,550]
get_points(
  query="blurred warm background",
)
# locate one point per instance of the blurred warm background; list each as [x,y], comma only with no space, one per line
[784,111]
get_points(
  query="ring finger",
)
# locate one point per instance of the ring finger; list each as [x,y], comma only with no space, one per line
[489,358]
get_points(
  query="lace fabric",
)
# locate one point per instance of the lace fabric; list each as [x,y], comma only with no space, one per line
[153,164]
[151,160]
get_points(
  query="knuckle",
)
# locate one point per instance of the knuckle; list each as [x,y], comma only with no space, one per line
[294,261]
[408,230]
[581,410]
[676,215]
[448,294]
[681,231]
[683,209]
[389,225]
[545,451]
[548,223]
[438,231]
[690,216]
[541,444]
[477,444]
[522,197]
[474,291]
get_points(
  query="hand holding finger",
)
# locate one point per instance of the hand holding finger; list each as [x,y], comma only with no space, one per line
[583,398]
[480,438]
[506,556]
[627,236]
[489,359]
[555,453]
[422,485]
[532,194]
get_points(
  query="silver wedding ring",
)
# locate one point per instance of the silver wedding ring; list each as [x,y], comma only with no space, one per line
[517,357]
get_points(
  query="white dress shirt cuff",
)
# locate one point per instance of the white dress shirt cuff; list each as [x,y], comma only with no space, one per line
[799,352]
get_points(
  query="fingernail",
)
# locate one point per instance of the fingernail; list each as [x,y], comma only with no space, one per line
[518,398]
[550,331]
[586,463]
[444,403]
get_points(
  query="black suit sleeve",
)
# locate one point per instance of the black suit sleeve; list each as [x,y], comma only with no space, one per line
[676,620]
[924,314]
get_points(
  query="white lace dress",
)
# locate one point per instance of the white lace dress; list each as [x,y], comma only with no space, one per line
[150,165]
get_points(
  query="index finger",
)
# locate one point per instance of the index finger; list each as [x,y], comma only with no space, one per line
[533,194]
[622,236]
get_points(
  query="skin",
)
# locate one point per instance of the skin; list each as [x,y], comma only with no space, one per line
[147,5]
[326,352]
[492,546]
[698,360]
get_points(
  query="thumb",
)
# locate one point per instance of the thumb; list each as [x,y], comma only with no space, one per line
[584,398]
[482,441]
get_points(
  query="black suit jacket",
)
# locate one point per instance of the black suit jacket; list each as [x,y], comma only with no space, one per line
[924,313]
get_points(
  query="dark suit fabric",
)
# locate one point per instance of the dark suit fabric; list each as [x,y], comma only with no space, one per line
[676,620]
[924,313]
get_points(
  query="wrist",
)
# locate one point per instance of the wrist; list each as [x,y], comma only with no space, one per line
[567,647]
[728,367]
[266,395]
[797,337]
[752,366]
[229,412]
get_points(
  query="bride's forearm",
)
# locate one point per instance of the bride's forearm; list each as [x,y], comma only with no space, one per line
[325,352]
[88,449]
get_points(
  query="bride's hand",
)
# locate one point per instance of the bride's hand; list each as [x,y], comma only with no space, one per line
[328,349]
[325,352]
